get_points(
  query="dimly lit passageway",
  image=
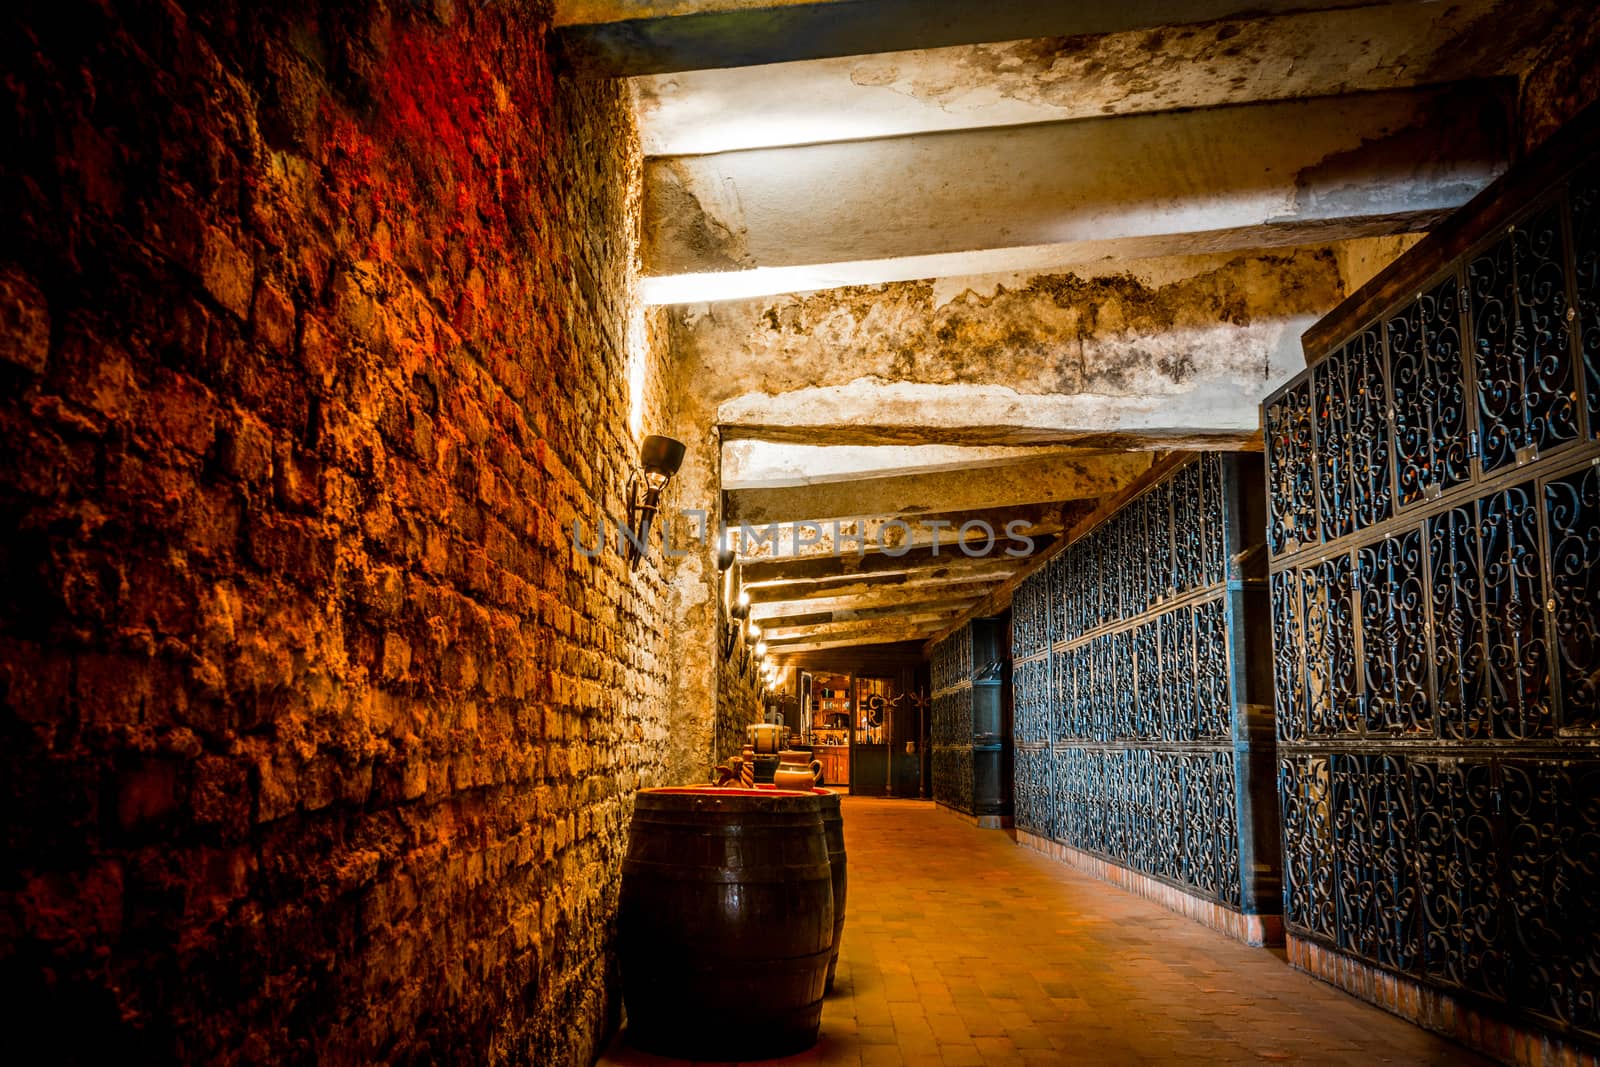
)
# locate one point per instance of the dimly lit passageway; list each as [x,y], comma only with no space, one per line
[460,458]
[964,948]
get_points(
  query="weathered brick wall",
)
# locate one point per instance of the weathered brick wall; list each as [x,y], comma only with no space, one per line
[318,737]
[739,701]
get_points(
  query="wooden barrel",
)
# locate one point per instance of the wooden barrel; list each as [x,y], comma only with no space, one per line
[725,923]
[833,834]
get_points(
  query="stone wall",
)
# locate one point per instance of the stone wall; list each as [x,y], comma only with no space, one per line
[739,700]
[318,735]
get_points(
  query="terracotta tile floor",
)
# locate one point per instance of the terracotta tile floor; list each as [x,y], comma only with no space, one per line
[962,948]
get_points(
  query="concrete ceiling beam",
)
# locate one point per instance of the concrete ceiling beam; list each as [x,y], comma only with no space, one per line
[868,660]
[1064,477]
[875,412]
[922,620]
[880,589]
[658,36]
[881,635]
[1053,79]
[949,562]
[757,464]
[850,536]
[847,609]
[1164,353]
[736,224]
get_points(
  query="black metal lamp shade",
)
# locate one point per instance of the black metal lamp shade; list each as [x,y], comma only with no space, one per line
[659,459]
[661,456]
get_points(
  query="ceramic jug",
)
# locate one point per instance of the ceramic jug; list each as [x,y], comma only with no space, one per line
[795,772]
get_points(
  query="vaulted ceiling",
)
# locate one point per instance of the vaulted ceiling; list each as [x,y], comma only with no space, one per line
[938,265]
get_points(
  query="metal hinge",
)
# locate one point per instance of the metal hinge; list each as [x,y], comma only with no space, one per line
[1472,445]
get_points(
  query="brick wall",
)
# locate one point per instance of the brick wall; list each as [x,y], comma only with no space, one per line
[317,735]
[739,700]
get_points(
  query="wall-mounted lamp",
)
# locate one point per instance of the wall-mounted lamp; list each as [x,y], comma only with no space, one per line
[659,459]
[748,647]
[735,601]
[761,650]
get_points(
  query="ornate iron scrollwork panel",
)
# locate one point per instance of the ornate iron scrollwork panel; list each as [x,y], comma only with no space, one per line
[1148,700]
[952,660]
[1292,470]
[1188,530]
[1552,834]
[1035,800]
[1394,636]
[1176,633]
[1586,278]
[1448,417]
[1306,801]
[1492,283]
[1376,895]
[1335,504]
[1141,729]
[1093,586]
[1054,591]
[1073,574]
[1459,874]
[1225,817]
[1544,329]
[964,782]
[1066,719]
[1123,698]
[1160,559]
[1368,433]
[1214,564]
[1135,574]
[1166,843]
[1212,699]
[1288,677]
[1441,799]
[1519,672]
[1327,599]
[1414,404]
[1430,402]
[1522,350]
[1029,608]
[1572,524]
[1030,684]
[1459,657]
[1200,859]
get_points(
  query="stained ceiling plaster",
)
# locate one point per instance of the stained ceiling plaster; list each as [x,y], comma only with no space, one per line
[860,333]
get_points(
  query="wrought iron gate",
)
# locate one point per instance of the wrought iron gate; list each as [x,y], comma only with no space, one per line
[1434,525]
[1128,653]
